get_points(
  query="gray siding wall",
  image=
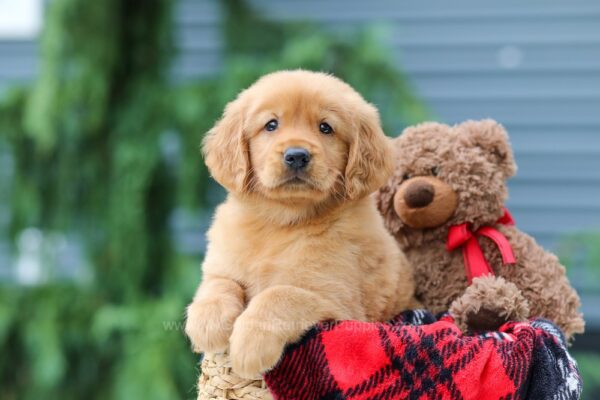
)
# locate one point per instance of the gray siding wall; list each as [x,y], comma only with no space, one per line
[18,62]
[198,38]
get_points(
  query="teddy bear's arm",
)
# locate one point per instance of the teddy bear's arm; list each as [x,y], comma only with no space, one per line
[487,303]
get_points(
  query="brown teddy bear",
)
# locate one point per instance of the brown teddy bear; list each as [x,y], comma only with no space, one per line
[445,207]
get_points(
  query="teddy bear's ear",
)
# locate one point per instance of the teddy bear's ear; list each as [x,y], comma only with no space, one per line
[493,139]
[423,132]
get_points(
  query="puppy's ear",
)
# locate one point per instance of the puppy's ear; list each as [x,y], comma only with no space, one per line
[490,136]
[370,160]
[225,149]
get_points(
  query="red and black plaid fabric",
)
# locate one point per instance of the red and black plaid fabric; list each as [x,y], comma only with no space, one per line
[417,356]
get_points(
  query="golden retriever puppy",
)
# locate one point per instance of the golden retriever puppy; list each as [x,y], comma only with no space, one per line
[298,239]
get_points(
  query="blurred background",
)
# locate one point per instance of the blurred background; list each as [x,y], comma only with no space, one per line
[104,198]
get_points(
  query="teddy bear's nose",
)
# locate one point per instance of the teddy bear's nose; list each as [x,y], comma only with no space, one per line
[419,194]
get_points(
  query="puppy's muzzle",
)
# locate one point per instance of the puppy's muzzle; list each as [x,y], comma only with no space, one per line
[296,158]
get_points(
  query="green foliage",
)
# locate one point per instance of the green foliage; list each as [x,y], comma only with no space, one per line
[87,153]
[588,365]
[85,140]
[582,249]
[62,341]
[79,57]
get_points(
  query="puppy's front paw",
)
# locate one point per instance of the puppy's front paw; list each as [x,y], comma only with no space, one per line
[254,347]
[209,325]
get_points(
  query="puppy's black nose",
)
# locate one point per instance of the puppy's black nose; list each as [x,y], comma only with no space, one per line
[296,158]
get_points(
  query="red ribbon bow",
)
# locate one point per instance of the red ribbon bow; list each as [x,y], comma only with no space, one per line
[475,262]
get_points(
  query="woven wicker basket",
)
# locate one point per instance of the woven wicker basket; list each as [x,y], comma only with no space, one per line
[218,382]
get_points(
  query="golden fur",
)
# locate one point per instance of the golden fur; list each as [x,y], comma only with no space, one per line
[285,250]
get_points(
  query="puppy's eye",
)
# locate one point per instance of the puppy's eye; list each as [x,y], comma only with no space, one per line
[325,128]
[435,171]
[271,125]
[406,177]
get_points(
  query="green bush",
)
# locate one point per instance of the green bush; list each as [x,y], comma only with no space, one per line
[588,366]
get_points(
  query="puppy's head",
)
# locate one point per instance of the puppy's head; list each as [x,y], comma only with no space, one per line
[299,136]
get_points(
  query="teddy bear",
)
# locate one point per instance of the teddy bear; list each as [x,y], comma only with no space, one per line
[445,207]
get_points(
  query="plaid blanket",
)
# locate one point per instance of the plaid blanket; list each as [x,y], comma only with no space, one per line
[419,356]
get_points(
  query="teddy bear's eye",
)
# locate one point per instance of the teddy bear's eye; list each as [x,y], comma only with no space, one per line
[406,177]
[435,171]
